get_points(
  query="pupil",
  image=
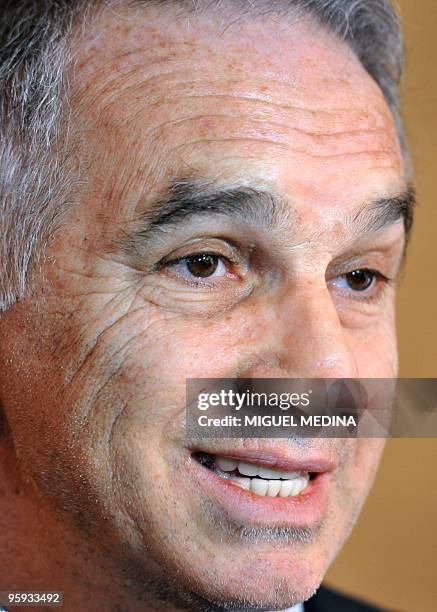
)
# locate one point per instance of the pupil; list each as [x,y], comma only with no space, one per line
[202,265]
[359,280]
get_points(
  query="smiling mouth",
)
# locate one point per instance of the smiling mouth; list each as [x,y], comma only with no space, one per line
[258,479]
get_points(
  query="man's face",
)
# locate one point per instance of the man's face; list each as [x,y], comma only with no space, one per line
[292,142]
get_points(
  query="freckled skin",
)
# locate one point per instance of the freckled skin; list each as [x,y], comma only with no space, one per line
[94,365]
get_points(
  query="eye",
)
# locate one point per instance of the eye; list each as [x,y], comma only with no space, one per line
[199,266]
[361,281]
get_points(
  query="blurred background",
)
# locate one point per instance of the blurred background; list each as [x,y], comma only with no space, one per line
[391,557]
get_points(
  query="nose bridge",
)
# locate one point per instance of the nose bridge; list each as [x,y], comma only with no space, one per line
[311,340]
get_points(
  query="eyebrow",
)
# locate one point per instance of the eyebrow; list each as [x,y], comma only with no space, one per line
[186,200]
[382,212]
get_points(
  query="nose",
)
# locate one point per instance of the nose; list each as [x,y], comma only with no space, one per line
[306,338]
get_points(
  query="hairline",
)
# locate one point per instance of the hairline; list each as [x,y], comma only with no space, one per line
[23,249]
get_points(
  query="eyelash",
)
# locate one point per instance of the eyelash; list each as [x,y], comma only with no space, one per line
[199,283]
[384,280]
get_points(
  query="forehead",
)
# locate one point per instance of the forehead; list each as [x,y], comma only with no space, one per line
[280,104]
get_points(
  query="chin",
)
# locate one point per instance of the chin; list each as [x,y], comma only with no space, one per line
[273,580]
[277,595]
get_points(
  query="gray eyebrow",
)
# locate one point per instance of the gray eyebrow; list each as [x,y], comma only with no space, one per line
[185,200]
[382,212]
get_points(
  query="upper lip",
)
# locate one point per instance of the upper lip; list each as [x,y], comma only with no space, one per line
[278,458]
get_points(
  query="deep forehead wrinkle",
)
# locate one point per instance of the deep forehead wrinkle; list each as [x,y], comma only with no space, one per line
[147,59]
[263,95]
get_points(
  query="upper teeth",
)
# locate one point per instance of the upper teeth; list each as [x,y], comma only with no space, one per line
[250,469]
[270,482]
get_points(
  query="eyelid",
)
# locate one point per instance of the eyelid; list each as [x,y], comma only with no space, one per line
[373,296]
[194,254]
[218,247]
[367,268]
[208,283]
[370,259]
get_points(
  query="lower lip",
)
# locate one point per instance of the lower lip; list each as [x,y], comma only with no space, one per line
[305,510]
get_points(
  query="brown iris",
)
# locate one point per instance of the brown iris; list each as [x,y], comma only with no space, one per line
[202,265]
[360,280]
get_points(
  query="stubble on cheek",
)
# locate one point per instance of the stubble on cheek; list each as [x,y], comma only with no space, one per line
[358,466]
[63,417]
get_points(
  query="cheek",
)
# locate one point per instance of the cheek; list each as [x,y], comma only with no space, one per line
[367,458]
[176,349]
[353,481]
[173,348]
[376,353]
[360,469]
[374,345]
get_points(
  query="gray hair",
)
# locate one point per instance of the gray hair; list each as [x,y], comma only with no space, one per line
[38,167]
